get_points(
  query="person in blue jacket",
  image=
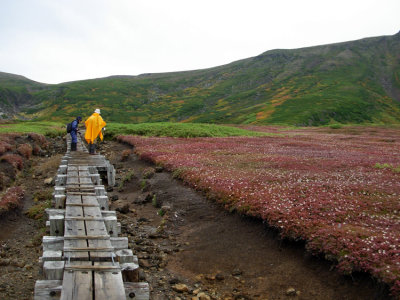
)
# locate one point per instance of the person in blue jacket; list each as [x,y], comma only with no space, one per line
[74,132]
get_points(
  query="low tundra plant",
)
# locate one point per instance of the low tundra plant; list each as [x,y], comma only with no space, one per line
[13,159]
[25,150]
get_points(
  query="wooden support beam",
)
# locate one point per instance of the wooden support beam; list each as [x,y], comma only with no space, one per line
[87,249]
[126,256]
[62,169]
[99,190]
[130,272]
[59,190]
[53,270]
[81,193]
[47,289]
[52,243]
[59,201]
[86,237]
[103,202]
[111,225]
[137,290]
[119,243]
[61,180]
[56,225]
[50,255]
[90,267]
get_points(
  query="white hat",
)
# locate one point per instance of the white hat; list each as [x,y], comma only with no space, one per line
[97,111]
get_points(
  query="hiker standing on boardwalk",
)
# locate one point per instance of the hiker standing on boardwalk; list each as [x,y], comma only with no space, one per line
[74,132]
[94,124]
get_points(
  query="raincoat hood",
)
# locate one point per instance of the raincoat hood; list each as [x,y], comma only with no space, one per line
[94,124]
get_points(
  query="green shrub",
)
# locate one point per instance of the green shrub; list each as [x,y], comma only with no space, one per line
[335,126]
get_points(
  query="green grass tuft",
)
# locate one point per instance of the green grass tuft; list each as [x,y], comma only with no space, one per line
[51,129]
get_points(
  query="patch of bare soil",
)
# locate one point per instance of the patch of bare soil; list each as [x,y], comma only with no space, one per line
[187,246]
[197,247]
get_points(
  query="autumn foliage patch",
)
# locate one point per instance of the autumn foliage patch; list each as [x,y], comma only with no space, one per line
[25,150]
[12,199]
[317,185]
[13,159]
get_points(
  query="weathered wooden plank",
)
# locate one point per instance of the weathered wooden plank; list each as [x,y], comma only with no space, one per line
[83,204]
[79,185]
[85,180]
[96,228]
[75,228]
[108,285]
[89,199]
[72,180]
[84,218]
[77,284]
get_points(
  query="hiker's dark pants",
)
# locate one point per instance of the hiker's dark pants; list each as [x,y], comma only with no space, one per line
[92,148]
[74,140]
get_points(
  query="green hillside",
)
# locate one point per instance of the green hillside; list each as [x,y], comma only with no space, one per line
[351,82]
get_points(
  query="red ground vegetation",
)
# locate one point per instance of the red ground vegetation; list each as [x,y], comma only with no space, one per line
[25,150]
[336,189]
[12,199]
[13,159]
[39,139]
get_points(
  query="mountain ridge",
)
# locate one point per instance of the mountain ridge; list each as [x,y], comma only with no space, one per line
[347,82]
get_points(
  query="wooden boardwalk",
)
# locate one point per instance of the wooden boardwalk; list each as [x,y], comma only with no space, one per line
[83,257]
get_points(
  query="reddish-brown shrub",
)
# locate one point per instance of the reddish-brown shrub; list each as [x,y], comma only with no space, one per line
[36,150]
[25,150]
[125,154]
[9,137]
[38,138]
[14,160]
[12,198]
[4,147]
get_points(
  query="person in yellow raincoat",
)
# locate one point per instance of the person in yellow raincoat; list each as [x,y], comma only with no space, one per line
[94,124]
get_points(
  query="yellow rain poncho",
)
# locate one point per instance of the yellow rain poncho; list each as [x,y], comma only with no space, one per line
[94,124]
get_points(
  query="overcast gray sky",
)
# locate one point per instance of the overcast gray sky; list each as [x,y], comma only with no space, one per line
[54,41]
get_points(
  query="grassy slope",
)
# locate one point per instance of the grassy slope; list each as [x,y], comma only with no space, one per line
[17,91]
[354,82]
